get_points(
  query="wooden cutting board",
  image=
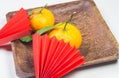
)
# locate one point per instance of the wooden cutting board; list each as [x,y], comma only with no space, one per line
[98,46]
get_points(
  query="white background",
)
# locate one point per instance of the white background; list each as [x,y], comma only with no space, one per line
[108,9]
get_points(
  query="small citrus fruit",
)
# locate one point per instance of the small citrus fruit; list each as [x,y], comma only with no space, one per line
[70,34]
[40,18]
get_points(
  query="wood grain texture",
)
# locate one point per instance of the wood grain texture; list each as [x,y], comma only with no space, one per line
[98,46]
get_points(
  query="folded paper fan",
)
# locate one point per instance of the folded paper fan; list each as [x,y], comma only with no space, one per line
[18,26]
[54,58]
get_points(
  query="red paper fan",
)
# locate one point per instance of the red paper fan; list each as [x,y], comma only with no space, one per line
[17,27]
[53,58]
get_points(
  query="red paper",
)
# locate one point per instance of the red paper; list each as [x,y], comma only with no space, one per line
[14,37]
[17,27]
[6,47]
[53,58]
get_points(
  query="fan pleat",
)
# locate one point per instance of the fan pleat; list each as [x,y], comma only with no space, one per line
[13,37]
[71,66]
[13,19]
[44,52]
[68,53]
[66,62]
[18,26]
[36,54]
[51,54]
[57,53]
[59,59]
[56,58]
[18,16]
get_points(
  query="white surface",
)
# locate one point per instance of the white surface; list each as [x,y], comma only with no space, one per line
[109,10]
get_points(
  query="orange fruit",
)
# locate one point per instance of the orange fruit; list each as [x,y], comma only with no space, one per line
[41,19]
[71,34]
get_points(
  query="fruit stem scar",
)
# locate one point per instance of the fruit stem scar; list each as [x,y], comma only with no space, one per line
[43,8]
[69,20]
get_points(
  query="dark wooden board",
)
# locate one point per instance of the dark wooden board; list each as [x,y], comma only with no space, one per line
[98,46]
